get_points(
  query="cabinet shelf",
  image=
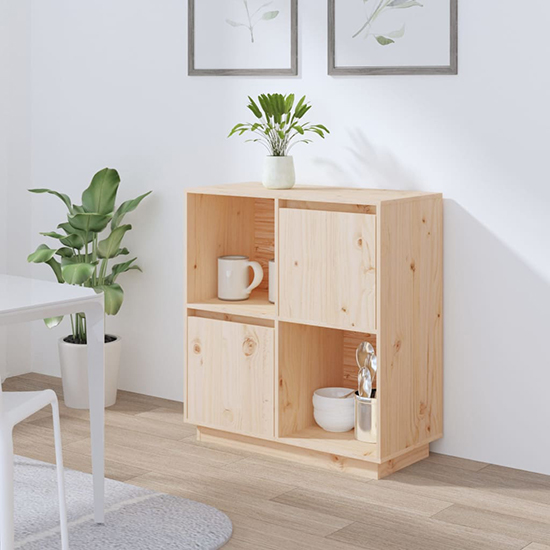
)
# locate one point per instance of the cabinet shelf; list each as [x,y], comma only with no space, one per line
[341,444]
[257,306]
[351,266]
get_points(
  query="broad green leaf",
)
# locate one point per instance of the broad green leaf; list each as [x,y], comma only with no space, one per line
[108,247]
[289,103]
[70,230]
[121,268]
[41,255]
[65,252]
[299,105]
[66,226]
[125,208]
[254,108]
[384,41]
[53,235]
[78,209]
[73,240]
[234,23]
[52,322]
[90,222]
[76,274]
[100,196]
[65,198]
[114,296]
[397,34]
[56,268]
[70,260]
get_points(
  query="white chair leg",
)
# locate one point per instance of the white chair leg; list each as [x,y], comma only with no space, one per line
[60,477]
[6,490]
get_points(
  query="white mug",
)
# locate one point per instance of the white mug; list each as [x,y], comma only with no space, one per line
[233,277]
[271,291]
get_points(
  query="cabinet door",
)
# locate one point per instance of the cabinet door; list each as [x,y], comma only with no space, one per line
[230,376]
[327,272]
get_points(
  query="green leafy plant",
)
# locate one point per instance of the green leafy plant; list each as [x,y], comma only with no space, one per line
[279,126]
[254,17]
[83,257]
[374,10]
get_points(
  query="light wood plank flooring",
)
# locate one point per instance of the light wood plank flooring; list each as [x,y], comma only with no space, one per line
[441,503]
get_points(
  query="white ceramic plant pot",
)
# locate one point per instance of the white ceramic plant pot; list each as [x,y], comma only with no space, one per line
[279,173]
[74,372]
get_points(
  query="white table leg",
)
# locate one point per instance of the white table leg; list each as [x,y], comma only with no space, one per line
[6,488]
[95,324]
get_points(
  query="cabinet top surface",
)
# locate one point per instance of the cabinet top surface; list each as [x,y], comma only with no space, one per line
[312,193]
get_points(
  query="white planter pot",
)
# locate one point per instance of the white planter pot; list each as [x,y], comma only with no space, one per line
[279,173]
[74,372]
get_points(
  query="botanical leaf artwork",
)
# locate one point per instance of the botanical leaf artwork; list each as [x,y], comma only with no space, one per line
[372,26]
[254,12]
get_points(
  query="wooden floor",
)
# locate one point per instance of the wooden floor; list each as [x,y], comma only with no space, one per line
[442,503]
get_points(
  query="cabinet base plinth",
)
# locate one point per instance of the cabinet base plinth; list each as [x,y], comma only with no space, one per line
[360,468]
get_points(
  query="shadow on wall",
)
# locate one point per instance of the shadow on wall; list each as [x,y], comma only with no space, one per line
[368,163]
[497,363]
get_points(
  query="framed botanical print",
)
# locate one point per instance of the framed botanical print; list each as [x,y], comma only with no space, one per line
[243,37]
[385,37]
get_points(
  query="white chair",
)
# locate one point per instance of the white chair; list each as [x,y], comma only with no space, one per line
[15,407]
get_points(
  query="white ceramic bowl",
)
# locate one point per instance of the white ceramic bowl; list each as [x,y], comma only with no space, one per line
[333,413]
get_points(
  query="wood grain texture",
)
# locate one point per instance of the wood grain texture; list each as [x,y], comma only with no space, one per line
[410,336]
[264,237]
[391,530]
[216,226]
[338,444]
[327,268]
[352,265]
[442,503]
[280,448]
[492,522]
[312,193]
[258,305]
[230,376]
[309,358]
[463,463]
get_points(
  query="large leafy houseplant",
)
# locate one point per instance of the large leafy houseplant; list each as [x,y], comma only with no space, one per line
[91,238]
[279,127]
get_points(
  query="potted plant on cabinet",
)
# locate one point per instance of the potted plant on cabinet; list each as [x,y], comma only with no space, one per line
[279,128]
[84,259]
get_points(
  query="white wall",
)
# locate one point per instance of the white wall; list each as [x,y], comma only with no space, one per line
[15,167]
[109,88]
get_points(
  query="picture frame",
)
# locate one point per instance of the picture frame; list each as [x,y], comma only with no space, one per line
[201,59]
[336,68]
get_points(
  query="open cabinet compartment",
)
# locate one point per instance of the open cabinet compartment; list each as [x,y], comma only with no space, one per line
[220,226]
[312,357]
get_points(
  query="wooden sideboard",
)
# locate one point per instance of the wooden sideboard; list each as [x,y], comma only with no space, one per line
[352,265]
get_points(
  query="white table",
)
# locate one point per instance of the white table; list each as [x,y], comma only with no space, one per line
[23,300]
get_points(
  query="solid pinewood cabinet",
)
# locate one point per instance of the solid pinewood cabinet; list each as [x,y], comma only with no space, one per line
[352,265]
